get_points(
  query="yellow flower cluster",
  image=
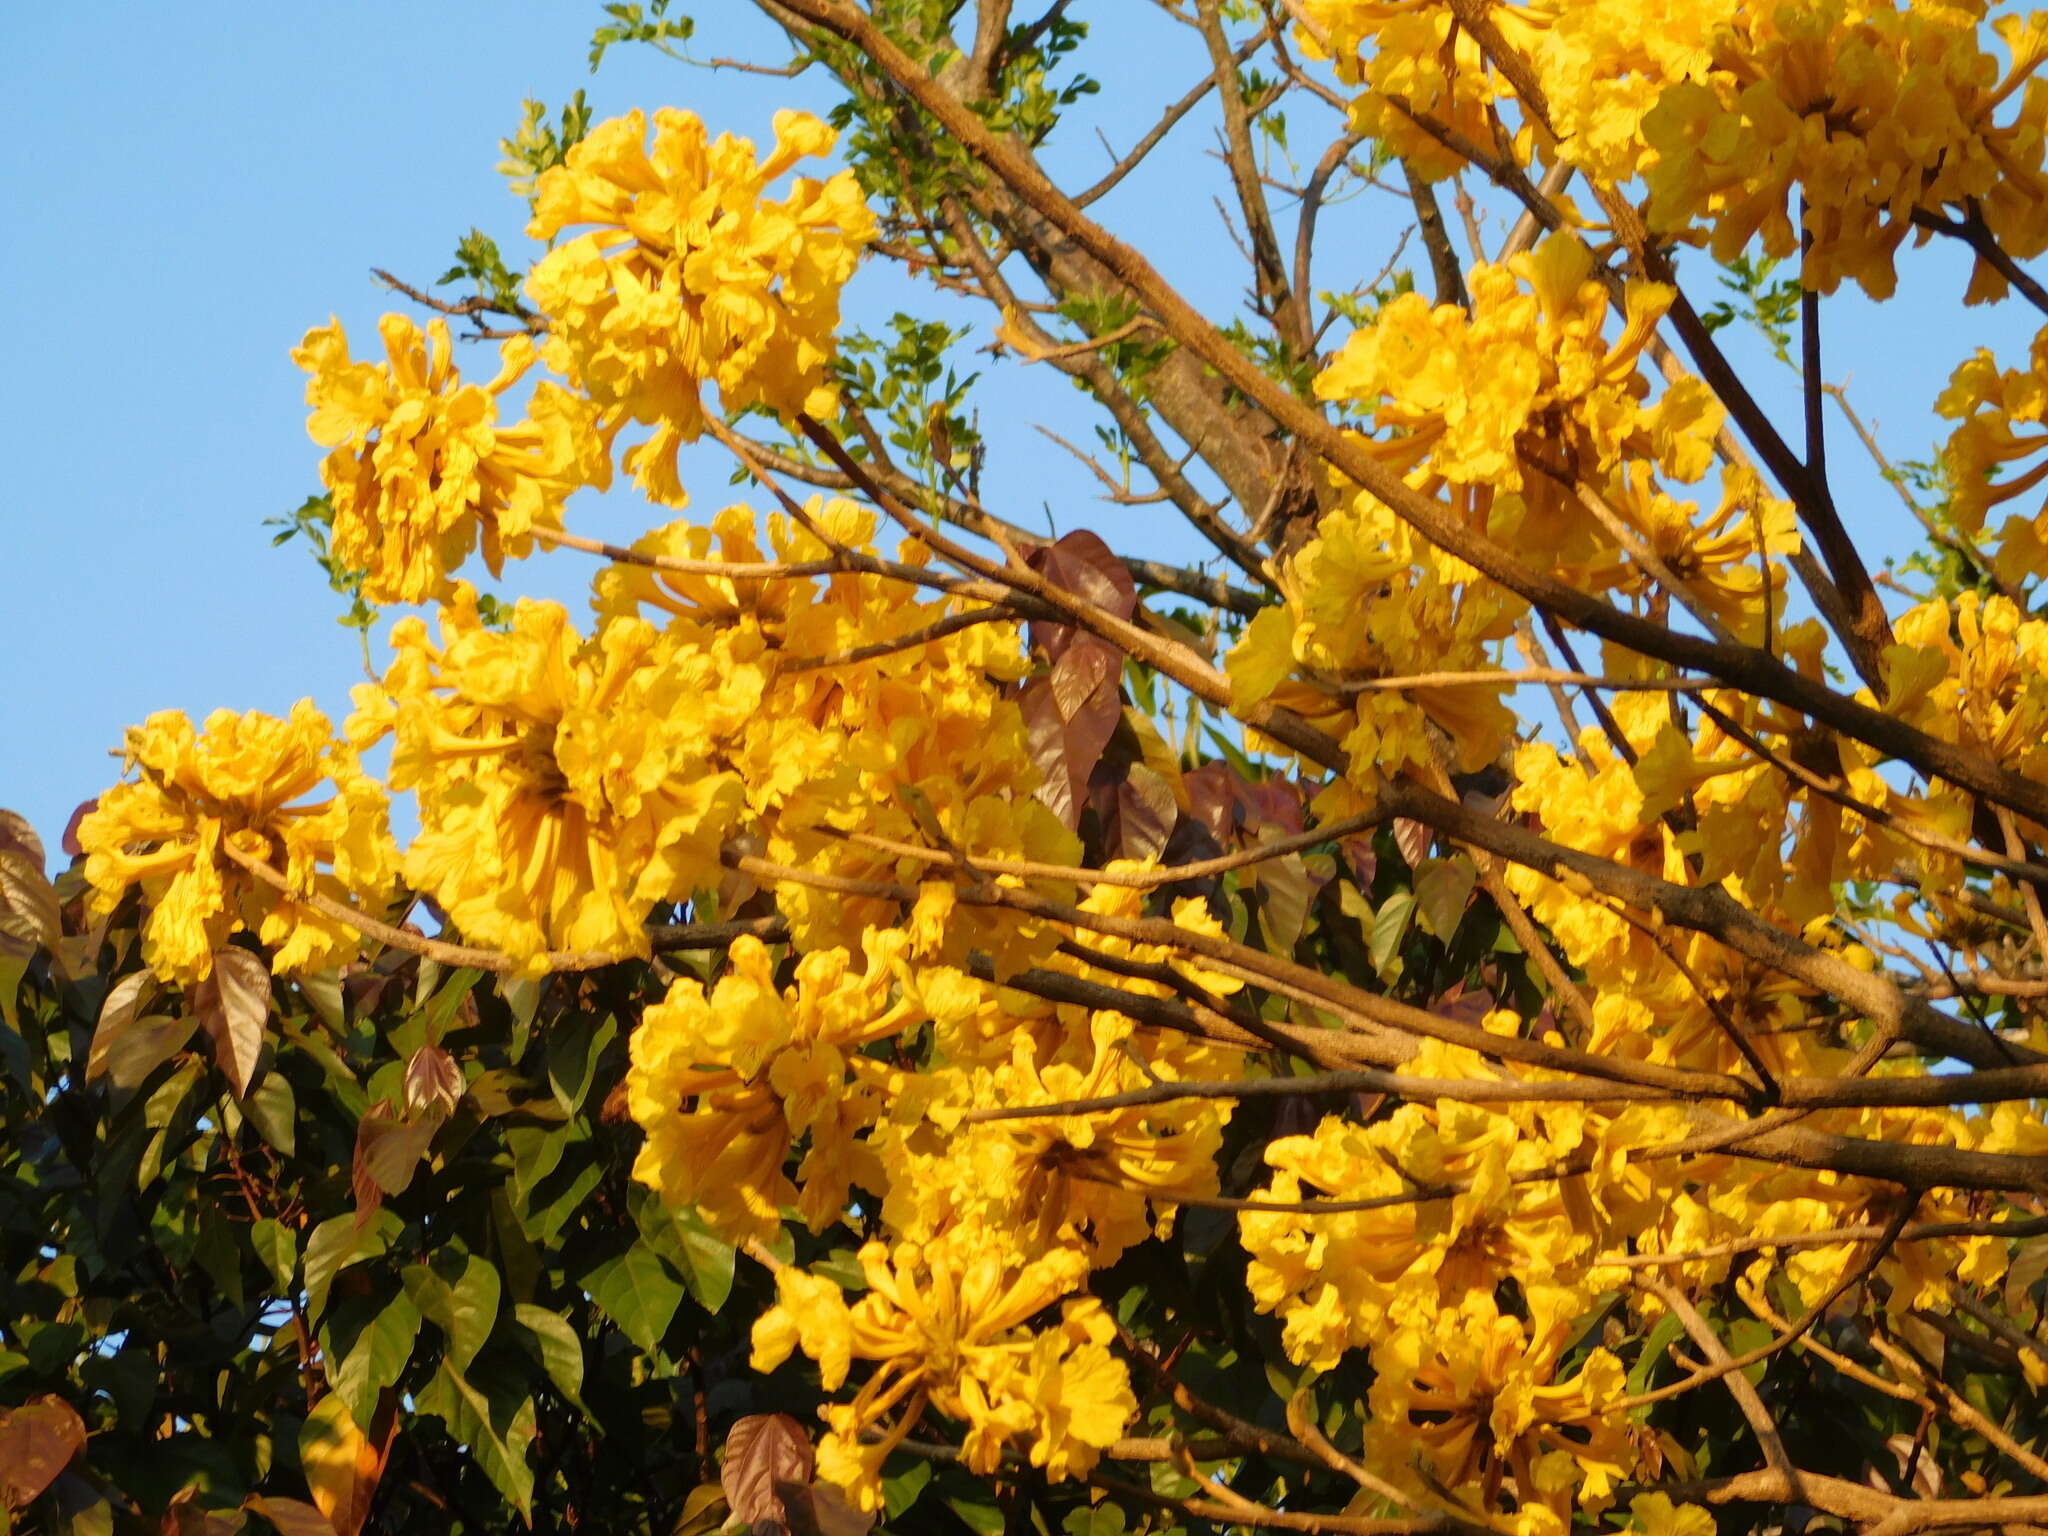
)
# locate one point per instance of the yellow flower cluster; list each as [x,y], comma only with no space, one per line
[1366,598]
[1867,112]
[421,469]
[888,738]
[240,786]
[1974,671]
[1704,810]
[1524,386]
[1542,429]
[759,1068]
[1449,1198]
[690,273]
[947,1323]
[1605,64]
[1602,66]
[1992,409]
[1477,1401]
[565,786]
[1416,61]
[1066,1178]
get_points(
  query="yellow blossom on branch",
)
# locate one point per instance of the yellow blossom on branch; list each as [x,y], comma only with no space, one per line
[564,785]
[724,1083]
[691,274]
[421,469]
[1087,1180]
[1865,115]
[247,784]
[948,1325]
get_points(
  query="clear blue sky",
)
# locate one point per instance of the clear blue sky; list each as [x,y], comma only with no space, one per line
[186,189]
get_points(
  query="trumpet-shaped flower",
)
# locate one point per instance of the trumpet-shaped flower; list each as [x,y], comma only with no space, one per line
[240,785]
[422,469]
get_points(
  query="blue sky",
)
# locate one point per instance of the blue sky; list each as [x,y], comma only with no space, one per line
[183,197]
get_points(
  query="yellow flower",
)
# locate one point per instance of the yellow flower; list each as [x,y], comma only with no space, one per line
[241,783]
[948,1326]
[1994,411]
[1416,60]
[1472,1400]
[725,1084]
[1365,599]
[421,469]
[1524,387]
[565,787]
[1869,113]
[690,274]
[1653,1514]
[1344,1280]
[1087,1180]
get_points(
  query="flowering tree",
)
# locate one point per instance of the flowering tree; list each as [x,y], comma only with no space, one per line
[1507,999]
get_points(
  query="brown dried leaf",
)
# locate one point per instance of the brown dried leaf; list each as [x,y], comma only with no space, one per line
[138,1048]
[819,1509]
[1285,889]
[1145,813]
[762,1450]
[1066,751]
[1084,667]
[185,1517]
[1279,805]
[37,1441]
[16,833]
[28,902]
[1089,568]
[123,1006]
[292,1517]
[1412,838]
[1212,799]
[234,1004]
[388,1153]
[69,842]
[433,1081]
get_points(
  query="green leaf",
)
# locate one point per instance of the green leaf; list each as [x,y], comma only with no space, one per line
[169,1110]
[563,1194]
[638,1292]
[273,1110]
[981,1515]
[704,1260]
[277,1246]
[548,1337]
[448,999]
[518,1259]
[218,1251]
[573,1049]
[494,1420]
[378,1357]
[1103,1520]
[336,1244]
[1442,888]
[901,1488]
[536,1151]
[1390,927]
[322,991]
[460,1296]
[1663,1334]
[704,1511]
